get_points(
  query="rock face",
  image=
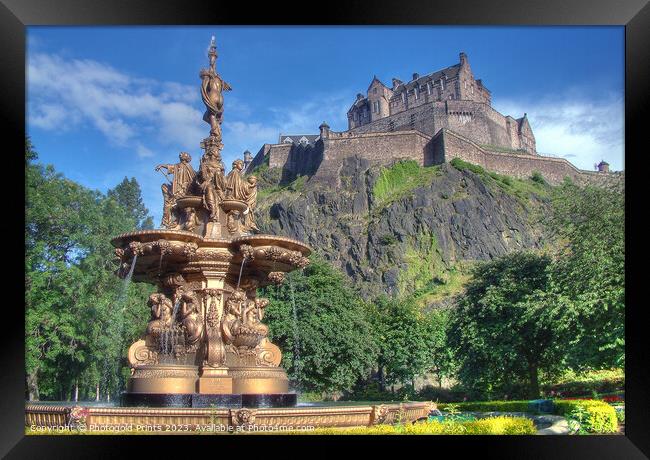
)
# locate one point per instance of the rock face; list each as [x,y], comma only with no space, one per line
[453,218]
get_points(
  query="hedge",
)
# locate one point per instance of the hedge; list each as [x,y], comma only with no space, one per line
[599,417]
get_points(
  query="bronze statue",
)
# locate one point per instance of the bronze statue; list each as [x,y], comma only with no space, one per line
[235,187]
[212,86]
[212,183]
[184,176]
[233,321]
[161,314]
[254,314]
[251,201]
[191,318]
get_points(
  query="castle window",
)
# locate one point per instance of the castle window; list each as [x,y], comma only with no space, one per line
[404,97]
[376,106]
[412,123]
[429,88]
[442,84]
[391,125]
[415,92]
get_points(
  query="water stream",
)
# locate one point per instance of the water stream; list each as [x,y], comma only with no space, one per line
[119,319]
[241,269]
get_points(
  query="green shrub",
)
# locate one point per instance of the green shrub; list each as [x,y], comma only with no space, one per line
[465,166]
[537,177]
[593,416]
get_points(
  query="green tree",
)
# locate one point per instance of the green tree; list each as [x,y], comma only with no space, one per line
[406,338]
[506,330]
[319,322]
[75,311]
[589,270]
[443,361]
[129,195]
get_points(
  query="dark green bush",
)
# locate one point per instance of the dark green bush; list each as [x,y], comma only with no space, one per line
[537,177]
[465,166]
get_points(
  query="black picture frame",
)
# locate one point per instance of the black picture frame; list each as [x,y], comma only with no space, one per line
[634,15]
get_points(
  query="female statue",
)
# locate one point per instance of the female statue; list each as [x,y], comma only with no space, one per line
[236,188]
[161,313]
[191,317]
[251,201]
[212,182]
[233,321]
[212,87]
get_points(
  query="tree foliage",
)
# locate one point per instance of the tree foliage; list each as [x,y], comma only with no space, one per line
[319,322]
[78,320]
[128,195]
[589,270]
[505,330]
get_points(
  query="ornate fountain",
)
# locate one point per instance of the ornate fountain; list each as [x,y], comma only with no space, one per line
[205,361]
[206,341]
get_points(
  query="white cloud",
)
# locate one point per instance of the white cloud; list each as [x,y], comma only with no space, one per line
[582,130]
[122,107]
[305,116]
[143,152]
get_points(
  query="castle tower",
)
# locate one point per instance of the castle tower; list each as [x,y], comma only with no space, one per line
[378,97]
[248,158]
[603,166]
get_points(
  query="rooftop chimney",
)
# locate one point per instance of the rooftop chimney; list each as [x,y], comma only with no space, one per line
[416,76]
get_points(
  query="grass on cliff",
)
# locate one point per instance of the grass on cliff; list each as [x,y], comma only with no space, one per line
[399,179]
[427,278]
[296,186]
[522,189]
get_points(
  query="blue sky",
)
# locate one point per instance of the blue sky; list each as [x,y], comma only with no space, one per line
[109,102]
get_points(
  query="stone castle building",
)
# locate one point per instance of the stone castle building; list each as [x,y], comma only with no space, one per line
[431,119]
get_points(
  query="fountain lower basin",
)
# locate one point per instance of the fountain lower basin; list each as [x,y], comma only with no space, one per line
[224,418]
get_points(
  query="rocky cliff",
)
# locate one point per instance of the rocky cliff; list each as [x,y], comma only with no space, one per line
[405,229]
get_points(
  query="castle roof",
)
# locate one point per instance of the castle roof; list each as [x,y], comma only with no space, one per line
[449,73]
[375,79]
[298,139]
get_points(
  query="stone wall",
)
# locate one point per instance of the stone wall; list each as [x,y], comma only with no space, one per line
[448,145]
[475,120]
[378,148]
[324,159]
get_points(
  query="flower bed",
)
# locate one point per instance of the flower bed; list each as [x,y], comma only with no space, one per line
[494,425]
[594,416]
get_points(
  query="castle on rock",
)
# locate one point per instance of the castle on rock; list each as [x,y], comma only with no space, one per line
[431,119]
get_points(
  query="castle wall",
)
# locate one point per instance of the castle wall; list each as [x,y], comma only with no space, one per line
[475,120]
[278,155]
[259,158]
[554,170]
[379,148]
